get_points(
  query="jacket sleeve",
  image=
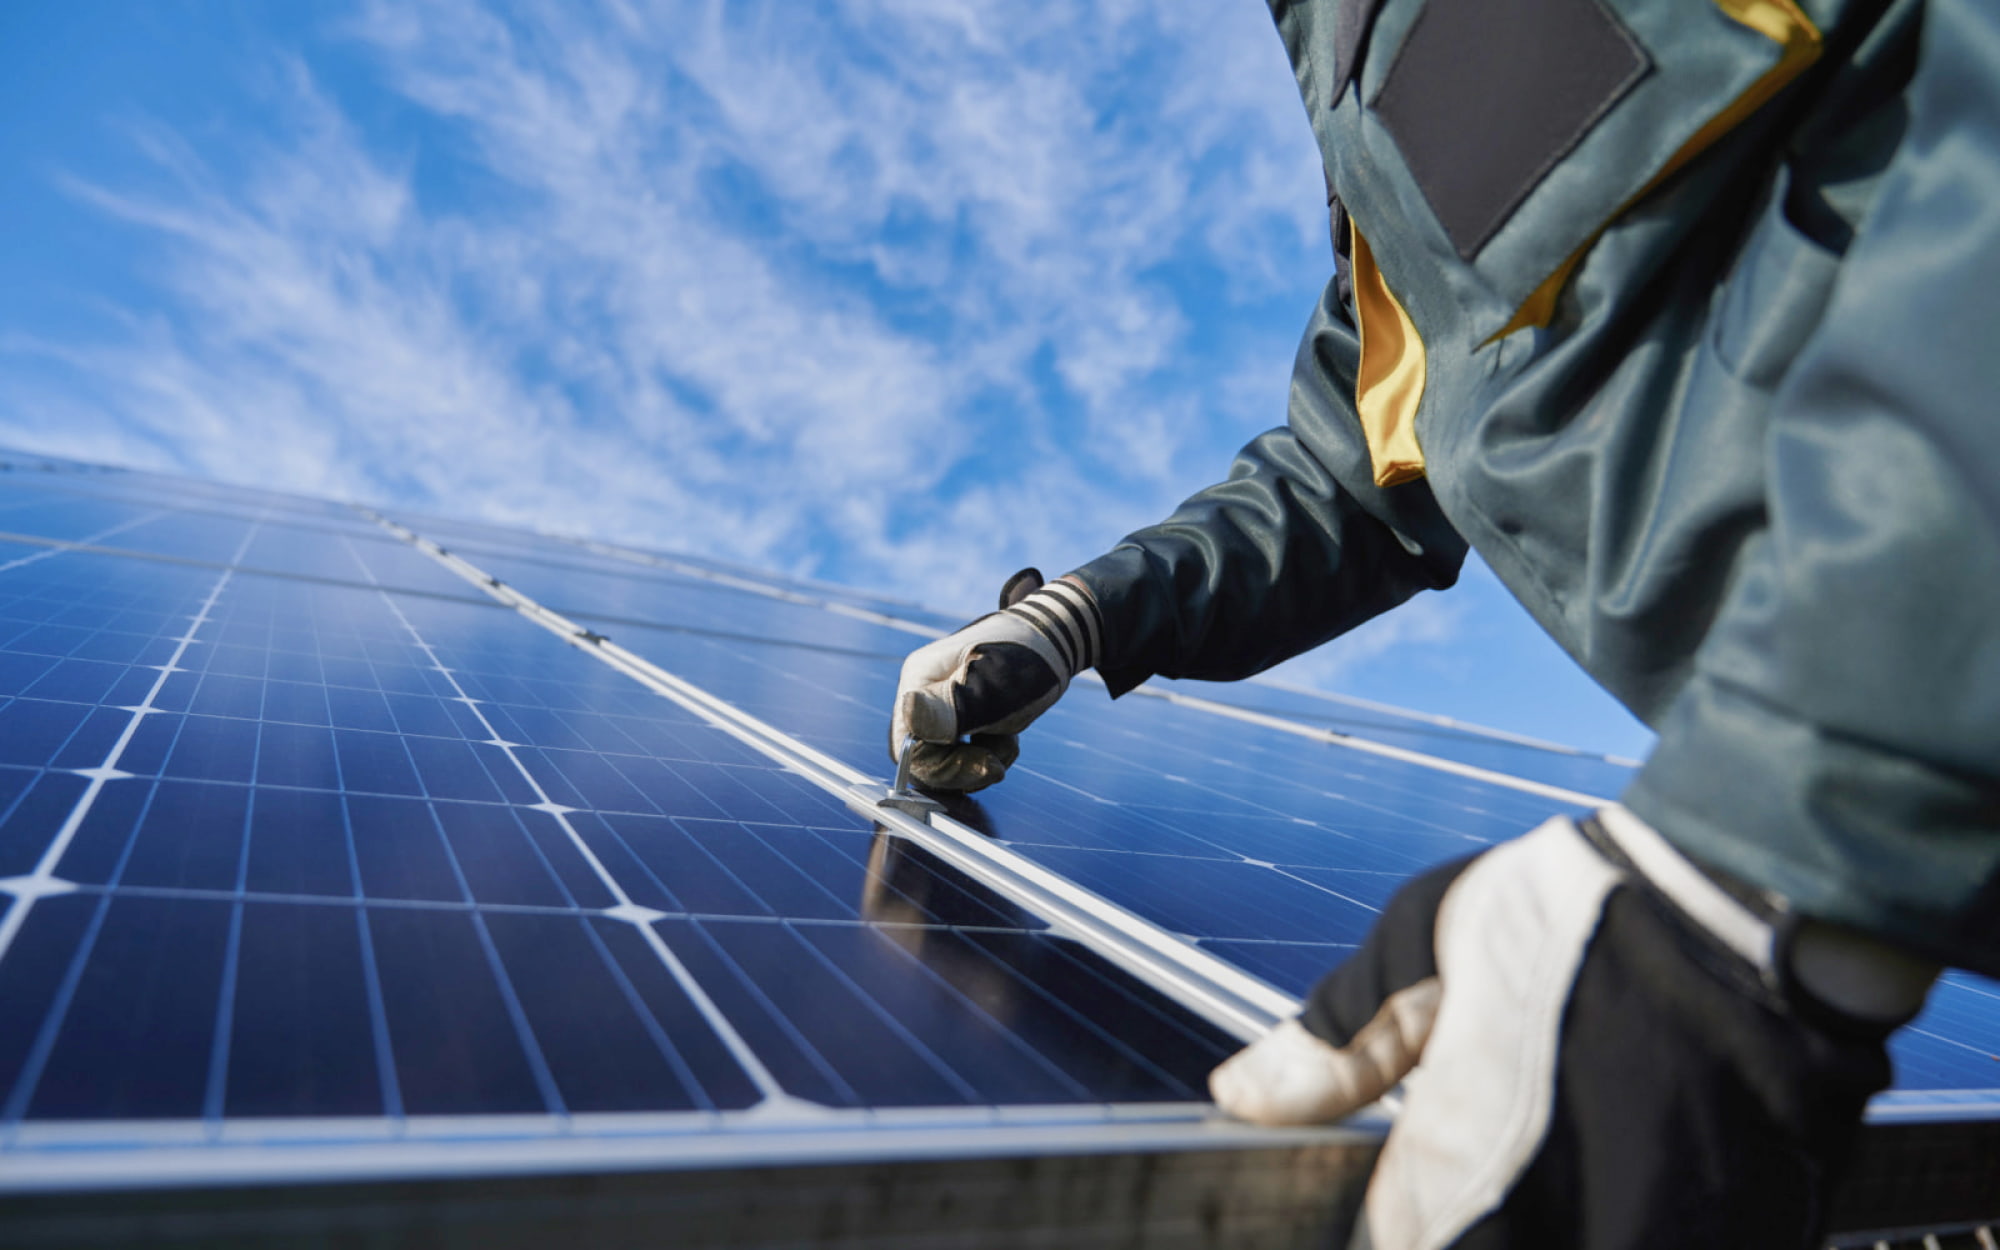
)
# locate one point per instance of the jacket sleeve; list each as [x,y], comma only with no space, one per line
[1295,547]
[1839,742]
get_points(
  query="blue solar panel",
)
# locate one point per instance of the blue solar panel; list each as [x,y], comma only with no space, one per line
[1481,748]
[297,824]
[350,853]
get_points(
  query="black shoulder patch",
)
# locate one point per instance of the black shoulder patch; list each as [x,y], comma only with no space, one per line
[1485,97]
[1350,29]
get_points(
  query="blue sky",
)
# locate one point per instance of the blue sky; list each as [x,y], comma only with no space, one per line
[895,293]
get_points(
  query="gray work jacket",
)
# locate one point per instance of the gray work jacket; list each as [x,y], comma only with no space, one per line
[1686,315]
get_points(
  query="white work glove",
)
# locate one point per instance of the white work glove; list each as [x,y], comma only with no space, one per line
[1598,1045]
[966,696]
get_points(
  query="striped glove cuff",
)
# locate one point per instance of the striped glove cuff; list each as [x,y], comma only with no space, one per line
[1064,612]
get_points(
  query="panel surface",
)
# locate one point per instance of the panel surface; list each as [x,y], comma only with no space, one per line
[304,838]
[316,848]
[1464,744]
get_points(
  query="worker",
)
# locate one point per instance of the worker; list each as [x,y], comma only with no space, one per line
[1686,316]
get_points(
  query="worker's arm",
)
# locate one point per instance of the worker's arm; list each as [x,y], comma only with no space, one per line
[1297,546]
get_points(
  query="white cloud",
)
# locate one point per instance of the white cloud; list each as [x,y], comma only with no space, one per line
[892,290]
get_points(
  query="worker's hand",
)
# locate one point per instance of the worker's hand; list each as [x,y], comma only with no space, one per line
[986,682]
[1598,1046]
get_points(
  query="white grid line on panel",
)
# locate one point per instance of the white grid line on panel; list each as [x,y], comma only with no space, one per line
[1442,722]
[1241,1004]
[61,545]
[42,881]
[1369,746]
[624,909]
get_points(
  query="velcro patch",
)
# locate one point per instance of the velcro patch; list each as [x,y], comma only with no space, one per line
[1486,96]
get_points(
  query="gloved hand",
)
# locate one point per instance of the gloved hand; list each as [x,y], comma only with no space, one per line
[1599,1047]
[989,680]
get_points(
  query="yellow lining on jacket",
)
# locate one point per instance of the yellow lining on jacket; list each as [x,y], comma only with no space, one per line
[1780,21]
[1389,384]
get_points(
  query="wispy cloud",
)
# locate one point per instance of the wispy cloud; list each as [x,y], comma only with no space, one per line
[902,292]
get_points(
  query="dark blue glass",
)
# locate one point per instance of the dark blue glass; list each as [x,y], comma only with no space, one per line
[666,739]
[50,640]
[423,714]
[1150,1039]
[758,1016]
[834,861]
[699,1056]
[1371,889]
[1294,967]
[784,887]
[152,740]
[375,763]
[560,852]
[584,779]
[190,836]
[299,844]
[937,998]
[83,681]
[449,769]
[503,769]
[1213,898]
[348,671]
[876,1058]
[457,1048]
[738,791]
[136,1040]
[902,883]
[37,804]
[604,1052]
[297,755]
[1557,767]
[93,740]
[118,647]
[18,670]
[591,732]
[217,694]
[301,1041]
[1955,1042]
[804,801]
[501,864]
[297,665]
[655,861]
[35,732]
[199,748]
[401,851]
[665,790]
[225,659]
[296,702]
[36,967]
[1040,811]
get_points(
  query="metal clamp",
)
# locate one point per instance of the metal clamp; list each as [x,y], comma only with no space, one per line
[900,797]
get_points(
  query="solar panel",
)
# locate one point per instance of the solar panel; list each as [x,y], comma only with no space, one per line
[319,832]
